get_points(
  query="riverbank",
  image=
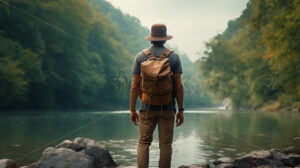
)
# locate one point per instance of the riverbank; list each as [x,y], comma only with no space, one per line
[276,107]
[272,108]
[87,153]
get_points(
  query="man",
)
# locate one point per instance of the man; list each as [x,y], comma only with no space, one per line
[151,114]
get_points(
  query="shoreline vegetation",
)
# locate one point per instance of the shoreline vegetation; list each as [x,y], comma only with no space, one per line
[87,153]
[255,62]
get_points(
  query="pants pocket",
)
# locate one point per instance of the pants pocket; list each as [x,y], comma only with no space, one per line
[168,115]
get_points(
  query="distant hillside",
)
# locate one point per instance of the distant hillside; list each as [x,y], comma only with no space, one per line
[67,54]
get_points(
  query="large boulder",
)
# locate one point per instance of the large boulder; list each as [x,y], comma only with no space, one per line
[7,163]
[79,153]
[64,158]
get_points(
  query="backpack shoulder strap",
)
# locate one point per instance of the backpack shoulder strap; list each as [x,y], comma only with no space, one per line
[147,52]
[166,53]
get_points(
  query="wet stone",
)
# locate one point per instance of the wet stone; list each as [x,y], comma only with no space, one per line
[226,165]
[202,165]
[7,163]
[224,160]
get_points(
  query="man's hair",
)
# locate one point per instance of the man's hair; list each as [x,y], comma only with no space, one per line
[158,43]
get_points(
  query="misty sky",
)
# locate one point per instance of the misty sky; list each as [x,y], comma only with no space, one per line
[191,22]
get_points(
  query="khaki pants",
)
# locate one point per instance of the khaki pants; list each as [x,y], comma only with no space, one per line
[147,124]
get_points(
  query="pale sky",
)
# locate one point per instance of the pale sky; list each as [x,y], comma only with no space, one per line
[191,22]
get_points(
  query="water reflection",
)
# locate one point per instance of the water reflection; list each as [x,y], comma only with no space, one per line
[189,149]
[205,135]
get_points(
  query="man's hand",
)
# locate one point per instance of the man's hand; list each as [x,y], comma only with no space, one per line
[134,117]
[179,119]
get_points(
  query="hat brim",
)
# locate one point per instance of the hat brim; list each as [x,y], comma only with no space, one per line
[152,38]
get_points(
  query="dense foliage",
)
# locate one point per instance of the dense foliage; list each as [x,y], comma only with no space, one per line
[67,54]
[256,61]
[195,94]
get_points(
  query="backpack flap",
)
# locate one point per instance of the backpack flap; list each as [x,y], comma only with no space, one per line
[156,80]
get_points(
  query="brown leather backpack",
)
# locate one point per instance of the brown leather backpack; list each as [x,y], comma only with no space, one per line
[156,79]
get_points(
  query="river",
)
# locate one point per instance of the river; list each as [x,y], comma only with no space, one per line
[206,134]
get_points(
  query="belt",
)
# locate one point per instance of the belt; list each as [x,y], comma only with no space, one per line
[157,107]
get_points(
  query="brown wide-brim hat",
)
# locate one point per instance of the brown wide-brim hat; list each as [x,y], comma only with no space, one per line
[159,33]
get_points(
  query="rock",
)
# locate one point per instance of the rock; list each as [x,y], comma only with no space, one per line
[291,159]
[64,158]
[226,165]
[7,163]
[70,145]
[80,153]
[264,166]
[86,153]
[29,166]
[224,160]
[290,149]
[127,166]
[183,166]
[202,165]
[258,158]
[101,156]
[296,138]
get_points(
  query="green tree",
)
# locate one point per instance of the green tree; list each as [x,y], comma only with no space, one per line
[255,61]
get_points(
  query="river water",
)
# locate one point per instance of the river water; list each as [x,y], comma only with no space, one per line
[206,134]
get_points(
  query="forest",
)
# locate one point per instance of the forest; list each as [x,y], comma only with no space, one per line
[74,55]
[256,61]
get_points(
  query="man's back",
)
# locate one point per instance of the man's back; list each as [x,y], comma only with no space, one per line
[174,59]
[175,65]
[151,114]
